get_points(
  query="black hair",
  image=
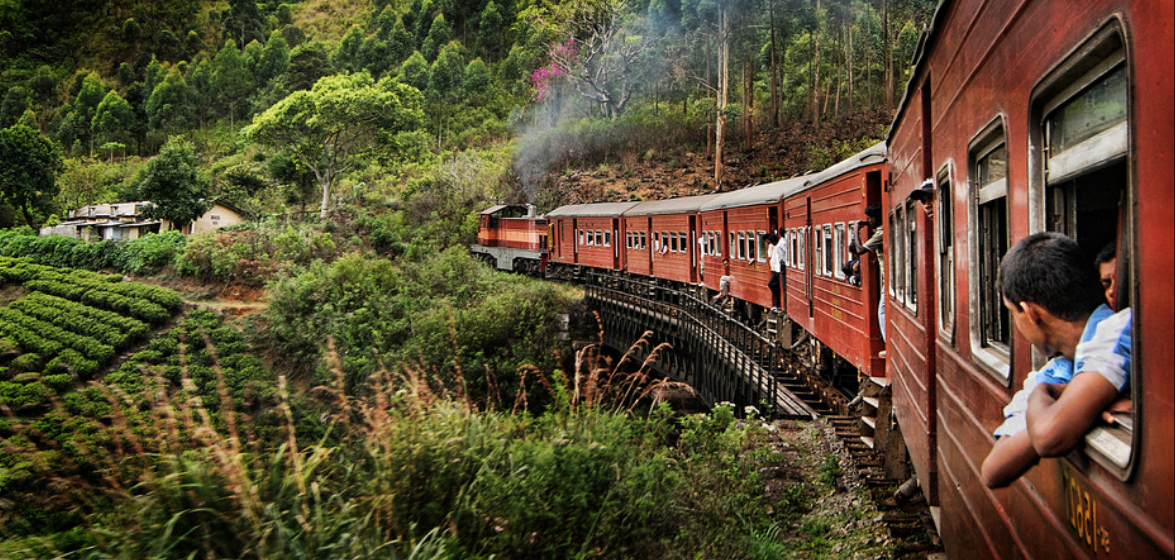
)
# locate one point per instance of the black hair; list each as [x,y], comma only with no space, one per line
[873,211]
[772,237]
[1107,254]
[1052,271]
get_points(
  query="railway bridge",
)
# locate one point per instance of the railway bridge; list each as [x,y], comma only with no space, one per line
[713,350]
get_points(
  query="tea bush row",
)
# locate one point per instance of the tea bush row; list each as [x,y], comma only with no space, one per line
[88,346]
[107,326]
[85,280]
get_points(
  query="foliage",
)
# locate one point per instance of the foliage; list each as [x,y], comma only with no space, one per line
[29,164]
[331,127]
[253,255]
[172,183]
[419,313]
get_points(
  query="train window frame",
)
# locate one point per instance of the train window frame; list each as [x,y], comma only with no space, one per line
[801,248]
[683,242]
[911,233]
[1106,154]
[830,254]
[944,225]
[741,236]
[838,238]
[818,251]
[607,238]
[984,200]
[891,268]
[897,260]
[761,245]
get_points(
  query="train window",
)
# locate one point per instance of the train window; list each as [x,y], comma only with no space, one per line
[1083,116]
[911,256]
[945,224]
[802,238]
[644,241]
[786,249]
[818,248]
[894,253]
[761,245]
[839,241]
[579,240]
[741,250]
[897,261]
[796,249]
[826,233]
[607,238]
[991,332]
[683,242]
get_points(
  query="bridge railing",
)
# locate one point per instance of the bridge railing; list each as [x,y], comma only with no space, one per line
[716,353]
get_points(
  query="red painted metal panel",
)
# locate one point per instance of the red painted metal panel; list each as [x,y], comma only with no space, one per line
[671,260]
[986,61]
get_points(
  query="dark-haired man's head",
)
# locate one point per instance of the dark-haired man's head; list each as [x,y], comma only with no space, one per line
[1050,289]
[1052,271]
[873,213]
[1106,262]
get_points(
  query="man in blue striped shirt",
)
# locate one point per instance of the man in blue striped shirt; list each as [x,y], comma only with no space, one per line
[1056,301]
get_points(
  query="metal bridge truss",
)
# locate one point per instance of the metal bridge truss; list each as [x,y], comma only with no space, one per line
[713,351]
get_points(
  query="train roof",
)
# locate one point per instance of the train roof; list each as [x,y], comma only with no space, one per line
[500,207]
[595,209]
[872,155]
[682,205]
[767,193]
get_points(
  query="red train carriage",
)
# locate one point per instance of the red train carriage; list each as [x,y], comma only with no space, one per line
[1033,116]
[511,237]
[588,235]
[662,239]
[738,222]
[820,221]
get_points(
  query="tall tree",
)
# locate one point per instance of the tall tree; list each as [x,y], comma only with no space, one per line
[16,102]
[721,20]
[347,56]
[243,22]
[91,93]
[333,126]
[444,84]
[173,185]
[29,164]
[113,119]
[439,35]
[171,106]
[231,79]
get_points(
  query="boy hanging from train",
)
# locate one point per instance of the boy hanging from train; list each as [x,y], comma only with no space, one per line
[1056,301]
[875,245]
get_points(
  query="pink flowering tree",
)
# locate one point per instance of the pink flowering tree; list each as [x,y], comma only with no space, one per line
[601,59]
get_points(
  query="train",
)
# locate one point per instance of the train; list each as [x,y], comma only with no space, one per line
[1019,117]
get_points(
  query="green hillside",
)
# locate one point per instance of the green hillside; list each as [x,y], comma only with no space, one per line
[337,377]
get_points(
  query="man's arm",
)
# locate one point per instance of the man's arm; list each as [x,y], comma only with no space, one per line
[1060,415]
[1010,457]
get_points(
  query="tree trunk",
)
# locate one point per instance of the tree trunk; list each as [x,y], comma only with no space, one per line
[887,52]
[325,184]
[723,91]
[774,69]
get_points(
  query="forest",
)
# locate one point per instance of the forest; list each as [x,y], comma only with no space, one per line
[336,376]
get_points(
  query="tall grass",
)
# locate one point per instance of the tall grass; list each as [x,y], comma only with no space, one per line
[414,470]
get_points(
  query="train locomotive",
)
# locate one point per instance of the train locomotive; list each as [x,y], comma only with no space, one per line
[1020,117]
